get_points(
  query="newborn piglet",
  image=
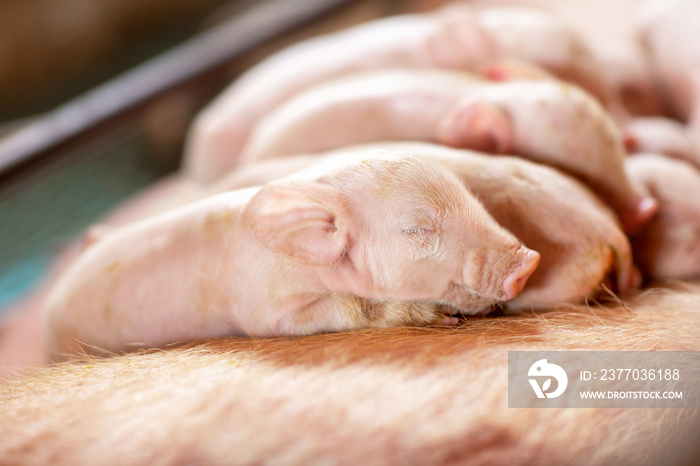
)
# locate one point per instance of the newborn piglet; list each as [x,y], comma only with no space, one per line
[669,245]
[335,247]
[576,234]
[406,41]
[546,121]
[455,37]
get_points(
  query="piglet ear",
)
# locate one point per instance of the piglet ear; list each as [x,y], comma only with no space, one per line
[298,222]
[477,125]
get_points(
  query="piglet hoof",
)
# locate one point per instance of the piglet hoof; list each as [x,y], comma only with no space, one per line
[516,279]
[639,215]
[447,321]
[630,141]
[623,277]
[630,281]
[619,282]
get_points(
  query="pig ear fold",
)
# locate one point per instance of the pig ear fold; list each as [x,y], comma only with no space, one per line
[477,125]
[298,222]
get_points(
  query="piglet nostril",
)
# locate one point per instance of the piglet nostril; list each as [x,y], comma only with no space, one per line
[516,280]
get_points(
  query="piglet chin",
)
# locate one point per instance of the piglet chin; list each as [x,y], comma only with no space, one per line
[516,279]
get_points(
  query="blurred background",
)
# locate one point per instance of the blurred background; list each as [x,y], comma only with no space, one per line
[97,97]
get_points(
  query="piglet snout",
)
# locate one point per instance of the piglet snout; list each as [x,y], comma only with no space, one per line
[515,281]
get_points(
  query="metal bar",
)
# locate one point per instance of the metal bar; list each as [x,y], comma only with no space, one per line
[192,58]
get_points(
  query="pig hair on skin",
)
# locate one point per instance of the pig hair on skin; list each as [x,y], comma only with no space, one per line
[401,395]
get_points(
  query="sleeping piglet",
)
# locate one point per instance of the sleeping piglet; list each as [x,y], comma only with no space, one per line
[334,247]
[576,235]
[546,121]
[455,37]
[669,245]
[433,40]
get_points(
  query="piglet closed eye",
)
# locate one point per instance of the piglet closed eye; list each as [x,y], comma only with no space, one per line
[669,245]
